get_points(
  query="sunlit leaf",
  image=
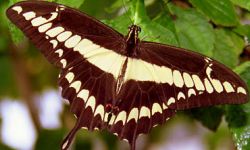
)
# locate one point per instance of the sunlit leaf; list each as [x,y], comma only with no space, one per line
[71,3]
[224,50]
[238,42]
[243,30]
[193,31]
[120,23]
[242,3]
[117,4]
[166,21]
[16,34]
[242,68]
[151,31]
[221,12]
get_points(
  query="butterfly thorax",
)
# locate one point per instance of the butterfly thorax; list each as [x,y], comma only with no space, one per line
[131,50]
[132,40]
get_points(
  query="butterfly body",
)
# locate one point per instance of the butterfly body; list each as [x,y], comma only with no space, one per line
[132,41]
[120,83]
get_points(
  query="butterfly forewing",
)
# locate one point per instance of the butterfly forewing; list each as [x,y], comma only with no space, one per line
[197,79]
[57,30]
[107,89]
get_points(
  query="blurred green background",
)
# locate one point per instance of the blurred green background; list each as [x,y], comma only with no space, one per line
[34,116]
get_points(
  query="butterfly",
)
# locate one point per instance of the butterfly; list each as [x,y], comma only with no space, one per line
[121,83]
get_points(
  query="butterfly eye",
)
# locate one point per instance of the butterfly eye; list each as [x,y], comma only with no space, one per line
[139,29]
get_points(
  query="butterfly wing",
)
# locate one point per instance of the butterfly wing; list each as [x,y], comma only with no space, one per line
[196,79]
[74,42]
[161,80]
[141,107]
[56,30]
[165,79]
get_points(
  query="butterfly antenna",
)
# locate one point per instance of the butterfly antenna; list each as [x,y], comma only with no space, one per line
[126,11]
[154,38]
[144,37]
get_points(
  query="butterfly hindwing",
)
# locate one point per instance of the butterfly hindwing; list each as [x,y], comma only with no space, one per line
[88,91]
[141,107]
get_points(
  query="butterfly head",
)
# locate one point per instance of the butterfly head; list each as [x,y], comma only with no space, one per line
[132,40]
[134,29]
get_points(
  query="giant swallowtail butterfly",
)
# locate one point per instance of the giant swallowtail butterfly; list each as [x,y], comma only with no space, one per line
[117,82]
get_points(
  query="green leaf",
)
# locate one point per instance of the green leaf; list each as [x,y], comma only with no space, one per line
[117,4]
[151,31]
[242,68]
[209,117]
[238,117]
[138,12]
[224,50]
[193,31]
[120,23]
[16,34]
[84,140]
[49,139]
[238,42]
[71,3]
[166,21]
[83,143]
[221,12]
[97,9]
[243,30]
[242,3]
[154,32]
[14,1]
[110,140]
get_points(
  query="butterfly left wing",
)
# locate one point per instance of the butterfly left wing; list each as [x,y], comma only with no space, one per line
[76,43]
